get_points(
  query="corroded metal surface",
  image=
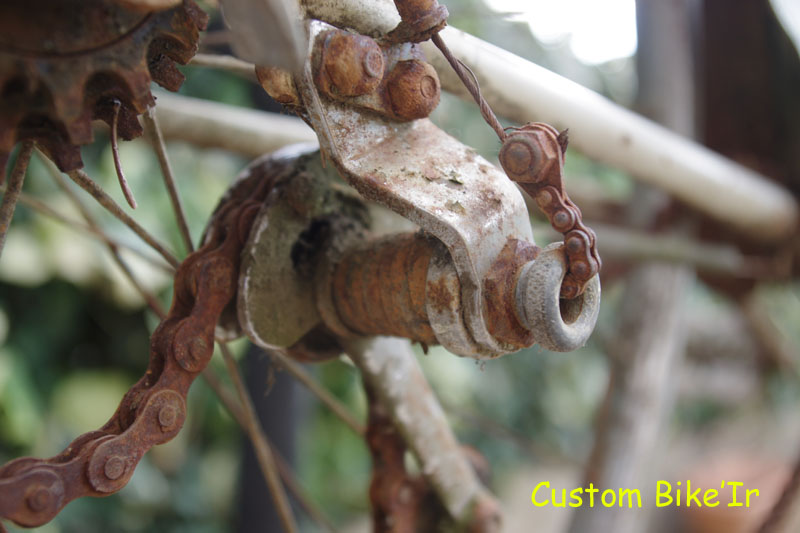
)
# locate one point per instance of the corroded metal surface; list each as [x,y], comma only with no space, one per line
[533,156]
[33,491]
[276,300]
[380,287]
[420,19]
[499,291]
[451,193]
[557,324]
[392,374]
[390,79]
[445,188]
[65,63]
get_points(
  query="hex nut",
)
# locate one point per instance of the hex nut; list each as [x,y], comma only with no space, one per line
[414,89]
[278,84]
[521,157]
[353,63]
[414,9]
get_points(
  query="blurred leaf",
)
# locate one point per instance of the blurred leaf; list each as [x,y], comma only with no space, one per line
[84,401]
[20,412]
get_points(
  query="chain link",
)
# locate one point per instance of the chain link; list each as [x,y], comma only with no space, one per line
[98,463]
[533,156]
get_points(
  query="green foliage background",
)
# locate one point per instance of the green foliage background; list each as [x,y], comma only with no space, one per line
[74,336]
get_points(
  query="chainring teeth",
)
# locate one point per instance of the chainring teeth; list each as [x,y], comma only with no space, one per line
[53,98]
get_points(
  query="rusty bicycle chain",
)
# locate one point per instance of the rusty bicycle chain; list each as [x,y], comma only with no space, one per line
[101,462]
[532,156]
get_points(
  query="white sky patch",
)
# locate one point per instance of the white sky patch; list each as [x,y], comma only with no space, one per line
[788,12]
[597,31]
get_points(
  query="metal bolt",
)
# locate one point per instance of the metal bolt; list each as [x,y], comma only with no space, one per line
[167,417]
[353,64]
[278,84]
[39,499]
[414,89]
[518,157]
[373,64]
[114,467]
[428,88]
[521,157]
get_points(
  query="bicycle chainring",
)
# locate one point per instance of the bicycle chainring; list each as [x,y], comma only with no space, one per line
[64,63]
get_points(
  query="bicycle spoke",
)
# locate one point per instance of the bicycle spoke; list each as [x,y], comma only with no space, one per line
[13,189]
[496,429]
[242,412]
[157,140]
[234,408]
[290,480]
[228,63]
[320,392]
[266,458]
[216,38]
[87,184]
[43,209]
[123,183]
[113,248]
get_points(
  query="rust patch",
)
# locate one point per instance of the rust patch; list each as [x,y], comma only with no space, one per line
[279,85]
[414,89]
[352,65]
[533,156]
[499,300]
[61,67]
[439,296]
[379,288]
